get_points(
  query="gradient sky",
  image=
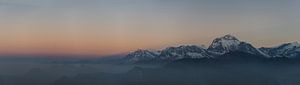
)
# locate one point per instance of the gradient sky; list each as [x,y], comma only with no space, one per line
[104,27]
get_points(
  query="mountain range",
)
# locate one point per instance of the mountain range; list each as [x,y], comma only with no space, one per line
[219,48]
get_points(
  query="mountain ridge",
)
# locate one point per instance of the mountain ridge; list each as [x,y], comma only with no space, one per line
[218,48]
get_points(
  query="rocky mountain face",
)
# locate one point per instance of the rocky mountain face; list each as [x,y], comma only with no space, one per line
[142,55]
[290,50]
[229,43]
[224,44]
[184,52]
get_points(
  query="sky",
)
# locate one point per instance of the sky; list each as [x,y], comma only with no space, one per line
[105,27]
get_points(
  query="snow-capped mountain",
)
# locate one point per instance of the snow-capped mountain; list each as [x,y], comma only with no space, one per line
[229,43]
[142,55]
[181,52]
[170,53]
[220,46]
[285,50]
[224,44]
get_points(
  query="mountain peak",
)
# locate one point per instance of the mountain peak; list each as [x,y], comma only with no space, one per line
[224,44]
[142,55]
[285,50]
[229,37]
[288,45]
[295,44]
[189,46]
[184,51]
[142,50]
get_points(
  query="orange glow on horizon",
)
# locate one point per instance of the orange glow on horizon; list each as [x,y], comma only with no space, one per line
[75,45]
